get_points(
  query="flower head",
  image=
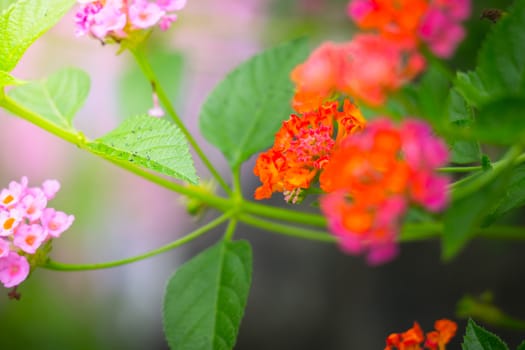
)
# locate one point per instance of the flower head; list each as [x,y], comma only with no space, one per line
[413,337]
[26,223]
[116,19]
[371,179]
[367,67]
[302,148]
[407,23]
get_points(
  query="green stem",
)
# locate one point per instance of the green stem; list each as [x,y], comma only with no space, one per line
[284,214]
[230,230]
[163,97]
[476,181]
[287,230]
[460,169]
[70,135]
[411,232]
[217,202]
[78,139]
[54,265]
[512,233]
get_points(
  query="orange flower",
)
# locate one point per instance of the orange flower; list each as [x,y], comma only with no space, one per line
[445,330]
[409,340]
[412,338]
[302,148]
[396,20]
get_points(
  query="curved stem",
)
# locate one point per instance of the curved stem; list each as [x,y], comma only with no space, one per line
[79,140]
[69,135]
[287,230]
[163,97]
[284,214]
[54,265]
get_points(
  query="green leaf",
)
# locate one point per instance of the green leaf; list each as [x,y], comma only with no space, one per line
[135,92]
[4,4]
[471,88]
[25,21]
[477,338]
[205,299]
[513,197]
[501,60]
[521,346]
[432,90]
[462,151]
[467,213]
[501,121]
[149,142]
[243,113]
[7,79]
[56,98]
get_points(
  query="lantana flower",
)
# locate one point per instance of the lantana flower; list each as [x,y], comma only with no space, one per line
[302,148]
[411,22]
[373,177]
[414,337]
[116,19]
[368,67]
[26,224]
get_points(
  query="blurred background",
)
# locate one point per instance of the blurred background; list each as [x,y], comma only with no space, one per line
[304,296]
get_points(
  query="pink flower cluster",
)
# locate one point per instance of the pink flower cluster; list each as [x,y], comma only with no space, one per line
[373,177]
[25,224]
[117,18]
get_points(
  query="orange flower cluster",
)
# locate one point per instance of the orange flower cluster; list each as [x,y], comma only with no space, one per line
[437,23]
[397,20]
[302,148]
[367,67]
[412,338]
[373,177]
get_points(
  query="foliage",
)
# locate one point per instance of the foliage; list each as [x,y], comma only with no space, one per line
[374,177]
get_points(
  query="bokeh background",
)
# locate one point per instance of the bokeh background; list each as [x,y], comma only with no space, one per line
[304,296]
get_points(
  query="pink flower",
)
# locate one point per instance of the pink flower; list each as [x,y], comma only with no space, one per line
[166,21]
[358,9]
[5,247]
[171,5]
[371,231]
[109,19]
[29,237]
[420,148]
[56,222]
[117,18]
[14,269]
[50,188]
[32,204]
[143,14]
[440,28]
[9,220]
[85,18]
[11,195]
[429,190]
[459,10]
